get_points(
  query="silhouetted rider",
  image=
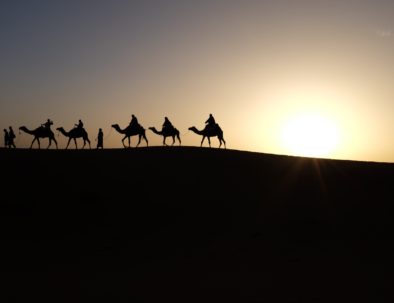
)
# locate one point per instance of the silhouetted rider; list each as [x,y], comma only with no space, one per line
[134,121]
[167,125]
[79,125]
[47,125]
[210,123]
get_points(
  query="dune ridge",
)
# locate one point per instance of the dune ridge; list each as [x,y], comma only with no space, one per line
[191,224]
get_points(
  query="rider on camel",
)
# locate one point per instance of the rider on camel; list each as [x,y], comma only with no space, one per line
[47,125]
[79,125]
[167,125]
[134,121]
[210,123]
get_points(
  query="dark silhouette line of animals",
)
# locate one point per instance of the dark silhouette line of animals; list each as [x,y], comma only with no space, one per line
[168,130]
[212,129]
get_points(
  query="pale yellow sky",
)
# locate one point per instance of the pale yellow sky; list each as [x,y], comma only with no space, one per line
[255,65]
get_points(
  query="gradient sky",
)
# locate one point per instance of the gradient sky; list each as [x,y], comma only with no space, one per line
[254,64]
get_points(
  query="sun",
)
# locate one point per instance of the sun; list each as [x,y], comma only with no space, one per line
[310,135]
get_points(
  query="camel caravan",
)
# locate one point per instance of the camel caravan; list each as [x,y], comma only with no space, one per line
[212,129]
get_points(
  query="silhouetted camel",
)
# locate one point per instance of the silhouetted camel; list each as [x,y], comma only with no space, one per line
[131,131]
[167,132]
[210,132]
[74,134]
[40,132]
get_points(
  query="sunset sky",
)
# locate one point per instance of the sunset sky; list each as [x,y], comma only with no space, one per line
[267,70]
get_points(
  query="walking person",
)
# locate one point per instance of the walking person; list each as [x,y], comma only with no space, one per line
[100,139]
[11,137]
[6,138]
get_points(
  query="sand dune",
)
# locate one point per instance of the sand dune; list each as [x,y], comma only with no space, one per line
[187,224]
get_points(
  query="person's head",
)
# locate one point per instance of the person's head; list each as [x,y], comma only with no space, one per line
[100,130]
[5,130]
[10,127]
[132,116]
[165,118]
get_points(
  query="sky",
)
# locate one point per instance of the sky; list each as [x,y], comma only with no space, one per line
[262,68]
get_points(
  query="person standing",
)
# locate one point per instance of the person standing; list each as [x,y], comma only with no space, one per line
[100,139]
[11,137]
[6,138]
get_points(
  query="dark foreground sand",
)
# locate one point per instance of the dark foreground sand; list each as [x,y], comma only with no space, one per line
[194,225]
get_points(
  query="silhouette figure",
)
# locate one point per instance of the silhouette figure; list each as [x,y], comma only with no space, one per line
[168,130]
[79,125]
[207,132]
[47,124]
[210,123]
[134,121]
[11,137]
[75,133]
[167,124]
[100,139]
[6,138]
[40,132]
[133,129]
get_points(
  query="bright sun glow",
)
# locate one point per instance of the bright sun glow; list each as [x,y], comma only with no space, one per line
[310,135]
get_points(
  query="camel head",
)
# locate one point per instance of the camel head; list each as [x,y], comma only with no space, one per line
[23,128]
[192,128]
[117,128]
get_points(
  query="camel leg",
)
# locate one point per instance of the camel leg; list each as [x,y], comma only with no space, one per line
[139,140]
[221,140]
[32,142]
[209,141]
[128,138]
[55,142]
[39,145]
[87,139]
[202,141]
[173,140]
[179,139]
[147,144]
[164,140]
[68,143]
[76,145]
[49,144]
[123,141]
